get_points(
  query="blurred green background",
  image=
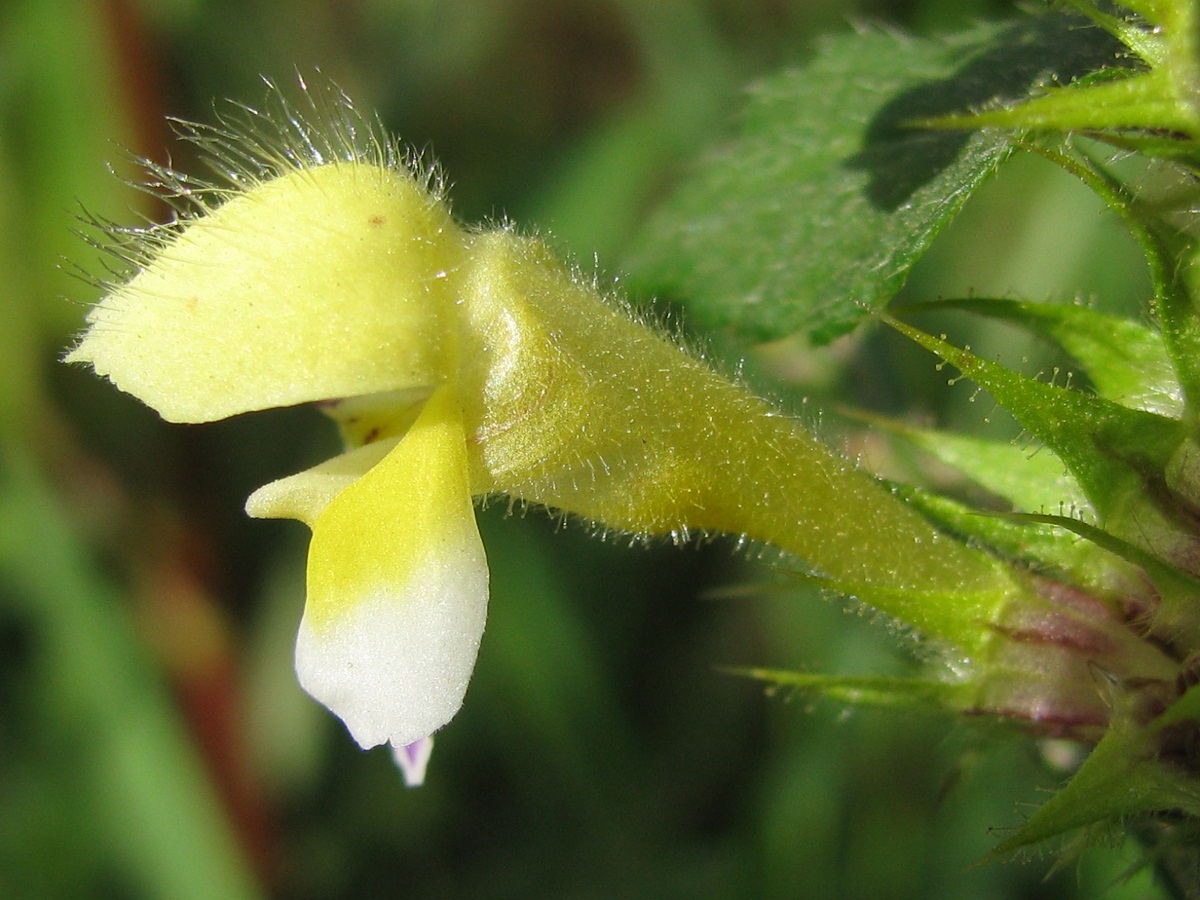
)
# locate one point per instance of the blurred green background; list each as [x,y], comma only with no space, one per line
[153,742]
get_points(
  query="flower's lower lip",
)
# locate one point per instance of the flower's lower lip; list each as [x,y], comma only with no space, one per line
[397,584]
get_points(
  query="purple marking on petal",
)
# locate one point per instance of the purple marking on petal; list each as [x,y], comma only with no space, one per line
[412,760]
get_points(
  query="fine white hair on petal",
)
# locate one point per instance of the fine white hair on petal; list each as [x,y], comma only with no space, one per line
[295,128]
[321,125]
[394,665]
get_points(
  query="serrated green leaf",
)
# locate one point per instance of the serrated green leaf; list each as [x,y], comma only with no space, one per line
[1127,362]
[815,214]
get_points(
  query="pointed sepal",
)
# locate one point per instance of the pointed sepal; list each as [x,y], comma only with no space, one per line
[1113,452]
[1126,361]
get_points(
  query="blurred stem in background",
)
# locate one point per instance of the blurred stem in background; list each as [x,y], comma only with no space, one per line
[103,789]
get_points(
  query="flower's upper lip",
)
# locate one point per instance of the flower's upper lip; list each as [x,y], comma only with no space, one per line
[308,287]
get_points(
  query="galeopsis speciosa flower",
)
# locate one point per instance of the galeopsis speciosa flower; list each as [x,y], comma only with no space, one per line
[460,363]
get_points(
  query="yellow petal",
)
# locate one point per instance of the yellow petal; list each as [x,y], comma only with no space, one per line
[397,588]
[323,282]
[305,495]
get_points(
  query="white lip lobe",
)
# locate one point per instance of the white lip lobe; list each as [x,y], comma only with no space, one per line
[395,665]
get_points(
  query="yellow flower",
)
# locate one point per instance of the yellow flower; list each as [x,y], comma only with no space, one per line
[462,363]
[324,276]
